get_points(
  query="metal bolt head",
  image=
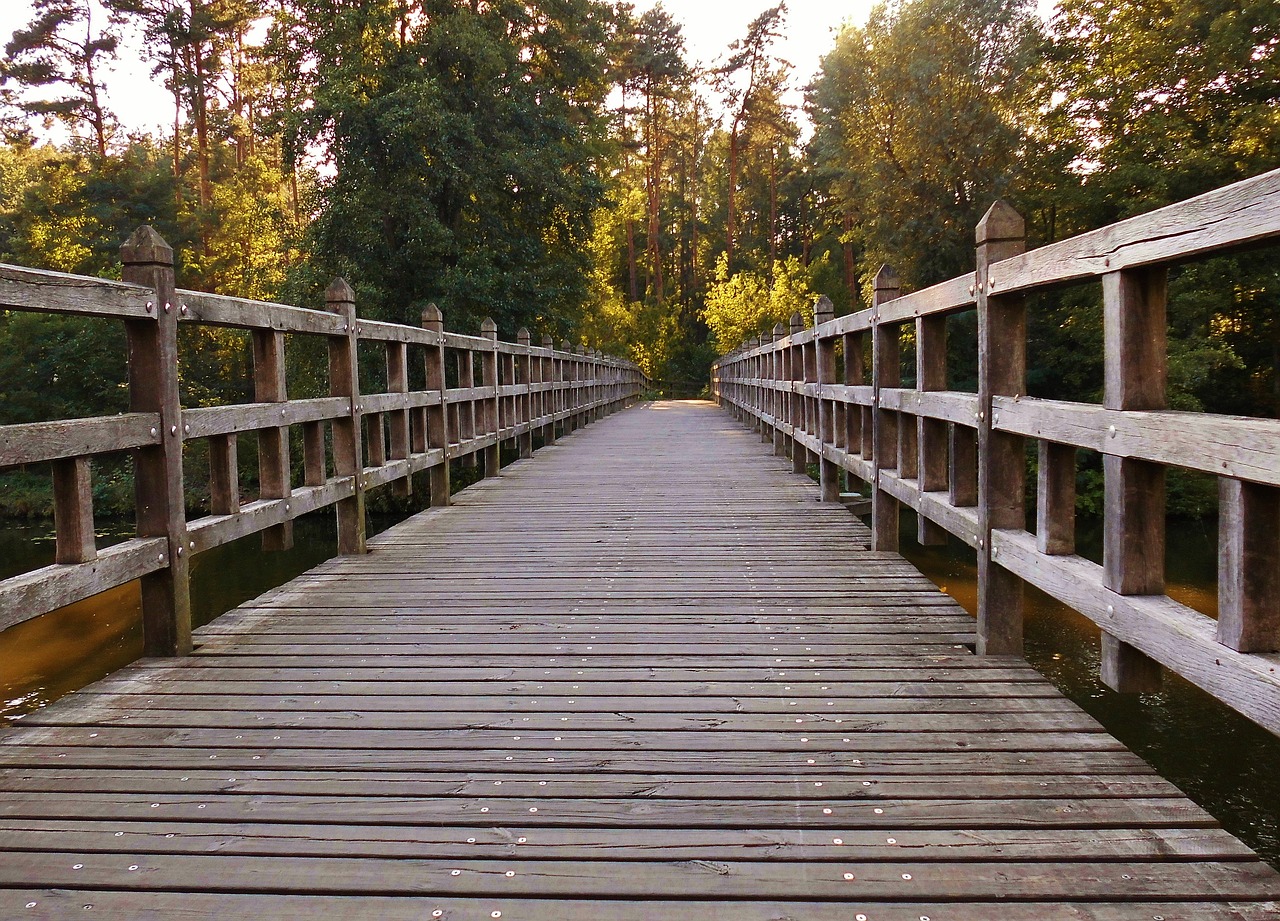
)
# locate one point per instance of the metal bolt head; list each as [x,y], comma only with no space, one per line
[150,307]
[154,433]
[173,430]
[183,310]
[167,307]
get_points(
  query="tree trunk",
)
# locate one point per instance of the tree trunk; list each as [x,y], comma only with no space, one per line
[731,228]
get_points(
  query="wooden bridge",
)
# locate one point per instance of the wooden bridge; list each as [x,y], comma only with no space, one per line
[642,673]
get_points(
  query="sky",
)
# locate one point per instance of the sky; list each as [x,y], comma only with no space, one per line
[710,26]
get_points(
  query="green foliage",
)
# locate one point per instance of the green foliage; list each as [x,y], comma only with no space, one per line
[466,151]
[920,115]
[744,305]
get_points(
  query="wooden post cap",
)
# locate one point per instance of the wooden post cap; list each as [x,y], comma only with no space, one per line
[779,332]
[797,322]
[823,310]
[565,346]
[887,279]
[522,336]
[1000,222]
[146,247]
[339,292]
[489,329]
[548,342]
[432,318]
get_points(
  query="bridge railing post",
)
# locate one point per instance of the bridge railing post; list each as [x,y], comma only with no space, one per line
[1002,371]
[489,409]
[344,381]
[777,370]
[529,372]
[855,375]
[437,414]
[549,402]
[886,372]
[795,401]
[931,434]
[158,480]
[398,419]
[270,386]
[829,472]
[1135,342]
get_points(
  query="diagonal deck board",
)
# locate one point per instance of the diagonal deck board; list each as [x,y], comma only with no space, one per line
[642,675]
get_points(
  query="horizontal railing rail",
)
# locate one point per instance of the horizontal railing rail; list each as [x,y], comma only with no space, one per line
[479,394]
[959,459]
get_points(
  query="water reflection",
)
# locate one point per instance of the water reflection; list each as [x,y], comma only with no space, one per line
[67,649]
[1220,759]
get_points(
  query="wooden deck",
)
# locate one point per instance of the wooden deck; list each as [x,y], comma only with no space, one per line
[644,675]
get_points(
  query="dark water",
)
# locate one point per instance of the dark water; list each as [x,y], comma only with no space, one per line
[60,652]
[1220,759]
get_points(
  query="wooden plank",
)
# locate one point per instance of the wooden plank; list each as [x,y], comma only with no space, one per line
[523,684]
[220,310]
[221,906]
[1232,446]
[55,292]
[1243,214]
[247,417]
[39,591]
[37,442]
[1178,637]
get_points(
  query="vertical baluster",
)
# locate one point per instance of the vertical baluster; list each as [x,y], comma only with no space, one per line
[437,414]
[854,376]
[344,381]
[466,426]
[489,407]
[159,499]
[886,372]
[315,467]
[778,373]
[73,511]
[795,401]
[1249,566]
[825,373]
[269,386]
[1135,336]
[529,373]
[549,397]
[224,475]
[931,376]
[1056,499]
[398,419]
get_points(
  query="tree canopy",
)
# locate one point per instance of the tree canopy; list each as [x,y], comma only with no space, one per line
[566,166]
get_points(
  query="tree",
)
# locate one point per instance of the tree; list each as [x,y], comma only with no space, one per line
[755,103]
[466,141]
[743,305]
[921,114]
[62,47]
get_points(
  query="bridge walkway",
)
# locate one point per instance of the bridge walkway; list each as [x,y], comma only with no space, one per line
[643,675]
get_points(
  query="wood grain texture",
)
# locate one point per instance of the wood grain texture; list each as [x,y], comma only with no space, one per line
[642,674]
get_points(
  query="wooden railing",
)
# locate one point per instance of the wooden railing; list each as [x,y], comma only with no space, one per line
[374,439]
[959,459]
